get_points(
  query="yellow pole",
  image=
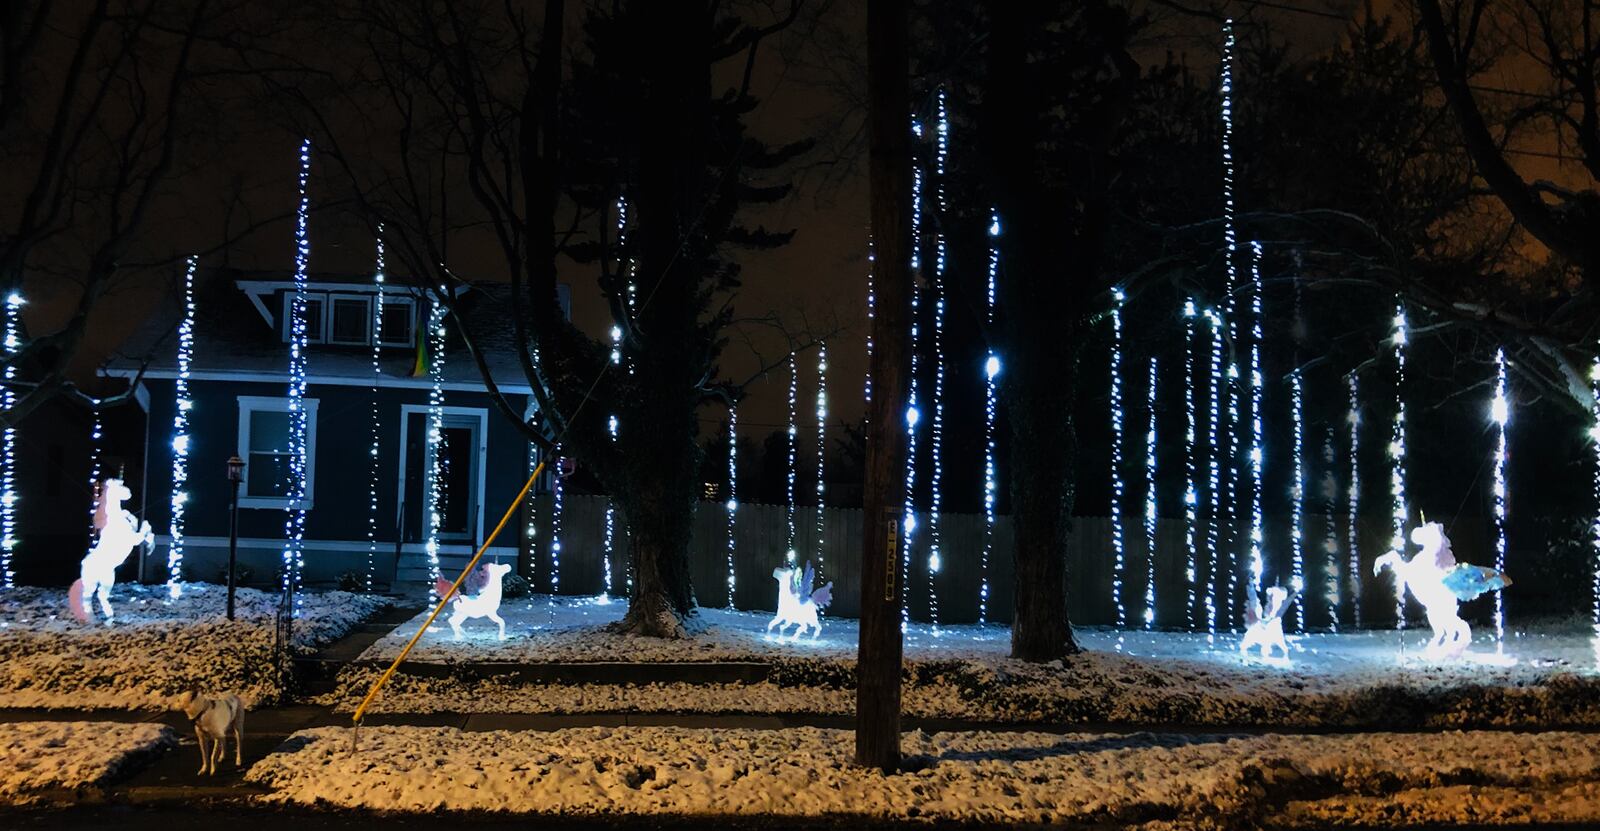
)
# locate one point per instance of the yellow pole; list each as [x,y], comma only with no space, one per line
[443,601]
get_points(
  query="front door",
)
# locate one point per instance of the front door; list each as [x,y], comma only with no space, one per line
[460,456]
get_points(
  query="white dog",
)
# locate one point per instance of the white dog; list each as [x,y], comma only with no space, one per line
[214,719]
[1264,621]
[795,609]
[118,537]
[486,603]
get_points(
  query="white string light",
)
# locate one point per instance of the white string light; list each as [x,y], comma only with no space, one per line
[530,529]
[8,443]
[373,470]
[557,503]
[1330,529]
[1222,565]
[733,491]
[610,541]
[822,445]
[1594,531]
[1500,414]
[295,522]
[1257,456]
[794,446]
[1397,453]
[1213,536]
[1353,528]
[1150,500]
[1297,497]
[436,343]
[872,322]
[991,371]
[182,404]
[1191,488]
[96,432]
[936,431]
[913,415]
[1118,562]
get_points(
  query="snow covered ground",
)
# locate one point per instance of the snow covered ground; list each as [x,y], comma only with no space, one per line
[1227,781]
[47,758]
[1545,677]
[156,648]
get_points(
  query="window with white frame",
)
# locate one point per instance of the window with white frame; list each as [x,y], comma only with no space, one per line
[349,319]
[264,444]
[398,326]
[316,322]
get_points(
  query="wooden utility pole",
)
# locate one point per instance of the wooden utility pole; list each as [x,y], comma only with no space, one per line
[889,125]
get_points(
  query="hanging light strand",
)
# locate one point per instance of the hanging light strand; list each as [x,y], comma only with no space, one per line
[913,415]
[793,447]
[1594,531]
[1118,559]
[436,441]
[1150,499]
[1500,414]
[1223,554]
[936,431]
[373,464]
[822,447]
[299,317]
[1352,539]
[1297,496]
[96,463]
[8,443]
[733,491]
[1214,489]
[1191,487]
[558,490]
[872,322]
[1257,456]
[991,371]
[182,404]
[1397,454]
[1330,527]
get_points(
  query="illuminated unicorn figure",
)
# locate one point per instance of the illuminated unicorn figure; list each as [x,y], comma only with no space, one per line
[1264,621]
[118,537]
[1439,583]
[485,603]
[796,609]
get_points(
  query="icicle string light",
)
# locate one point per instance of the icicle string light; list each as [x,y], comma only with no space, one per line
[733,491]
[1297,497]
[913,415]
[8,444]
[793,446]
[1352,539]
[436,506]
[1222,552]
[1118,559]
[1191,487]
[558,491]
[1397,454]
[1214,481]
[991,371]
[182,404]
[531,529]
[936,431]
[1594,531]
[1150,500]
[1500,414]
[822,447]
[1330,528]
[96,455]
[373,470]
[1257,456]
[295,522]
[610,541]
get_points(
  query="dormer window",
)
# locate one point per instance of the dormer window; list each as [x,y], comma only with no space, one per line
[399,321]
[345,318]
[351,321]
[316,303]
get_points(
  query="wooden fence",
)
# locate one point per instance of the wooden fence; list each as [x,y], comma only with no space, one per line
[761,534]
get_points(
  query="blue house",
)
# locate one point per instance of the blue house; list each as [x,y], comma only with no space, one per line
[367,501]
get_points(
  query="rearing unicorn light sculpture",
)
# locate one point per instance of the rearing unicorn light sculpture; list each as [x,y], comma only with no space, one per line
[1439,583]
[118,536]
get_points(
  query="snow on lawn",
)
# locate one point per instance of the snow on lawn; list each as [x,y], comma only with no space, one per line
[1543,677]
[45,758]
[157,647]
[1222,780]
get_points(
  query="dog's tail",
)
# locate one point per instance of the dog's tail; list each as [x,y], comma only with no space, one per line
[823,596]
[75,601]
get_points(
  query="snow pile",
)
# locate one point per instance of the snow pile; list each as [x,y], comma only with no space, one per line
[157,647]
[1543,678]
[1030,777]
[47,758]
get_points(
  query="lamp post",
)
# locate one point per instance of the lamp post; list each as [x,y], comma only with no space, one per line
[235,476]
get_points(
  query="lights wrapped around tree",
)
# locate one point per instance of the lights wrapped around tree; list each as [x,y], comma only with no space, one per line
[558,491]
[1353,524]
[991,371]
[1214,515]
[790,472]
[1397,455]
[1500,415]
[733,492]
[822,446]
[1150,500]
[299,315]
[1594,531]
[1297,493]
[8,443]
[936,430]
[1257,456]
[182,404]
[436,459]
[1330,529]
[913,414]
[374,464]
[1118,558]
[1191,486]
[1225,487]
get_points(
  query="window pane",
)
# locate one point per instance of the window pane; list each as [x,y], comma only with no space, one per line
[314,318]
[349,321]
[269,431]
[267,475]
[396,323]
[455,463]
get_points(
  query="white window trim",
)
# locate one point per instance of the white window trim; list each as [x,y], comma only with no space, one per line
[411,307]
[482,415]
[366,317]
[320,334]
[260,403]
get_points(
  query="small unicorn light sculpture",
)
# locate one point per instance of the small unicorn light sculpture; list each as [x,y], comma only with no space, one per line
[1264,621]
[797,604]
[1439,583]
[118,536]
[485,603]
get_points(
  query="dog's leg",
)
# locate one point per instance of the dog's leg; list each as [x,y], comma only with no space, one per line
[238,738]
[205,751]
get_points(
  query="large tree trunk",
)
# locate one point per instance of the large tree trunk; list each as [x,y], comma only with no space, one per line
[1043,471]
[880,649]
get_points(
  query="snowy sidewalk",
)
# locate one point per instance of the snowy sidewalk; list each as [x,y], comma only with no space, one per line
[63,760]
[1381,779]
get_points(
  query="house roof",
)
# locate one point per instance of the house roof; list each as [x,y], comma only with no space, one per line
[234,338]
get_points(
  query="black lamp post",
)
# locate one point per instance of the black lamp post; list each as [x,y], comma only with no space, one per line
[235,476]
